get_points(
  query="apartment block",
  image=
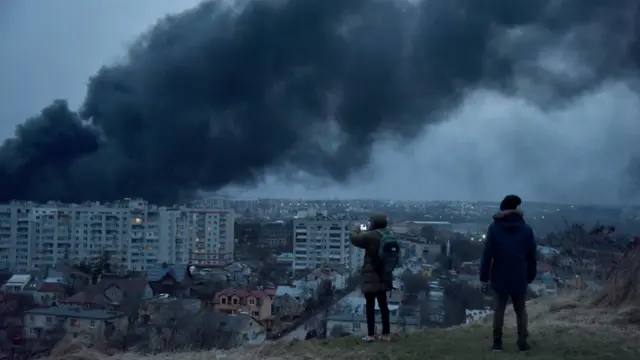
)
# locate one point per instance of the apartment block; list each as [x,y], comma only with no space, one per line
[211,234]
[320,240]
[135,234]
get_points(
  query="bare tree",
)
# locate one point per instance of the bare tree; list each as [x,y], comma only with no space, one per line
[175,328]
[414,283]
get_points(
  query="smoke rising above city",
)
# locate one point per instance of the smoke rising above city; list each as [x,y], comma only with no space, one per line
[225,95]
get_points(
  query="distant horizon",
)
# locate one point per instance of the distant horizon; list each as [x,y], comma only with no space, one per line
[203,196]
[525,202]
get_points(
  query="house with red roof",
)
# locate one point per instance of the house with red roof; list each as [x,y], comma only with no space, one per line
[256,303]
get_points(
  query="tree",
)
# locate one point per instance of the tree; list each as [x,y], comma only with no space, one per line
[175,328]
[429,233]
[414,283]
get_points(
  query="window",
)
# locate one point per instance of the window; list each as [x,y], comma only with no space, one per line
[255,313]
[234,301]
[356,326]
[49,319]
[223,300]
[74,322]
[252,301]
[92,323]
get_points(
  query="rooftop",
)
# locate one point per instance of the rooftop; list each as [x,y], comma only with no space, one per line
[75,312]
[19,279]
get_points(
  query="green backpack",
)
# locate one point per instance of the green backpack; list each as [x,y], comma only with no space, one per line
[388,252]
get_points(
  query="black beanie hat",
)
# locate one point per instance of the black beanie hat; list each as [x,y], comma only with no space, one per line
[510,202]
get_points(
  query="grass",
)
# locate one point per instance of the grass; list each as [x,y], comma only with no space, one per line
[561,328]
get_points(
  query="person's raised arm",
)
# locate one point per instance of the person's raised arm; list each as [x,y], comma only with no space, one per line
[358,238]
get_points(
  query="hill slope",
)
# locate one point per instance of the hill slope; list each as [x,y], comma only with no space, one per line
[561,328]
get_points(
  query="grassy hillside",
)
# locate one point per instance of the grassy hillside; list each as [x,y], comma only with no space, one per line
[561,328]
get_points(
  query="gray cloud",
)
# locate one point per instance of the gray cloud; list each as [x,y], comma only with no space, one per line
[520,97]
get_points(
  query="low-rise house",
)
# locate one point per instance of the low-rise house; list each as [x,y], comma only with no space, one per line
[239,273]
[112,293]
[174,280]
[256,303]
[289,302]
[357,324]
[209,274]
[91,324]
[49,293]
[336,273]
[313,284]
[17,283]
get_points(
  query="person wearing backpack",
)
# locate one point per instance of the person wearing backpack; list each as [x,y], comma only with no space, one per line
[381,257]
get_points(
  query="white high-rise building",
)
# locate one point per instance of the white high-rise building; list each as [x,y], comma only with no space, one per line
[136,235]
[211,234]
[319,240]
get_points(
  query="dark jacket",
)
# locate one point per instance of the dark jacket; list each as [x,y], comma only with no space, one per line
[371,281]
[509,259]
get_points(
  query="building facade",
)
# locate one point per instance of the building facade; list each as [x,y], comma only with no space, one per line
[135,234]
[321,240]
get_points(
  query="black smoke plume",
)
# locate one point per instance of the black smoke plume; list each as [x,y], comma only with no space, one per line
[220,94]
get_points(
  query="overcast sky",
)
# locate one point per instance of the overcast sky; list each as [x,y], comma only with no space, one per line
[575,154]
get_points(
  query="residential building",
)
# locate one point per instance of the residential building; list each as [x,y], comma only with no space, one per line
[212,234]
[113,293]
[170,279]
[338,274]
[275,234]
[256,303]
[50,293]
[135,234]
[290,301]
[320,240]
[17,283]
[356,324]
[90,324]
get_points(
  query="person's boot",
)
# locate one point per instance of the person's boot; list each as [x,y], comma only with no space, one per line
[497,345]
[497,339]
[523,345]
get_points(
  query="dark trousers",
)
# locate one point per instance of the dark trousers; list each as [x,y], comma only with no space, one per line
[520,308]
[371,298]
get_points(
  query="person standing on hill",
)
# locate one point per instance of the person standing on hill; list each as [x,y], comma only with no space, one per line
[509,265]
[381,257]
